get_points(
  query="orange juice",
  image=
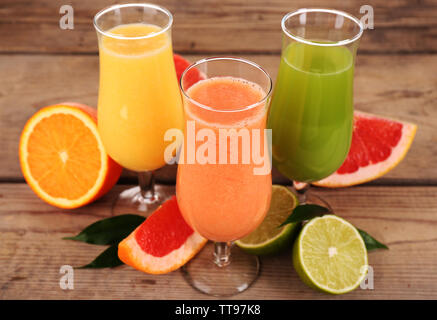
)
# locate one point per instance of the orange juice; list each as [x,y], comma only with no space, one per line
[223,202]
[139,97]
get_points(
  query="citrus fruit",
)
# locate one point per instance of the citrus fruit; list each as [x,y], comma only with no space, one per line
[162,243]
[378,145]
[62,157]
[268,238]
[192,76]
[329,255]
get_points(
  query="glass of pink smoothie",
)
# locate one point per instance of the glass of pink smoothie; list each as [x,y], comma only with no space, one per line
[224,173]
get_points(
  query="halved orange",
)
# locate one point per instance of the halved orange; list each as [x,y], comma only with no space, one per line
[162,243]
[378,145]
[62,157]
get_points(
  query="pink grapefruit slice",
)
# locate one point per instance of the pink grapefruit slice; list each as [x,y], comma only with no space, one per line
[378,145]
[162,243]
[192,76]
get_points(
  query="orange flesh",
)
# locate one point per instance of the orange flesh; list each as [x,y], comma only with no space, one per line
[62,151]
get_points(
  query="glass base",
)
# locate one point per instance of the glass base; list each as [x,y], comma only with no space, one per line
[132,201]
[306,195]
[203,274]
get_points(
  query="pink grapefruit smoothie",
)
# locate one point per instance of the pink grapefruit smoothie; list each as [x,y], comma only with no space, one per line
[224,202]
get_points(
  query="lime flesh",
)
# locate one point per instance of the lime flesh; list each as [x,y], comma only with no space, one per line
[329,255]
[268,238]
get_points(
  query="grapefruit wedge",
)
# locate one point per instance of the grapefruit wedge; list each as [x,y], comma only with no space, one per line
[378,145]
[62,156]
[162,243]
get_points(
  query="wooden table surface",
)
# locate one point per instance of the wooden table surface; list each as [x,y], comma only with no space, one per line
[396,75]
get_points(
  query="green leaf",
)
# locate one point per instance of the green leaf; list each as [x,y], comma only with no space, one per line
[305,212]
[107,259]
[110,230]
[370,242]
[308,211]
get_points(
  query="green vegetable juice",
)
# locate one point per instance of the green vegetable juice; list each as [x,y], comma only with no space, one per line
[311,115]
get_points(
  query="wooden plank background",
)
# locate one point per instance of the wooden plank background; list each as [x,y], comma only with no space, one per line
[55,65]
[242,26]
[31,232]
[396,75]
[406,92]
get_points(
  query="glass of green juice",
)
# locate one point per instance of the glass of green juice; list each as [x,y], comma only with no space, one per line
[311,111]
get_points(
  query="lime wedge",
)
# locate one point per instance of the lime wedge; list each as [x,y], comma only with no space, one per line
[329,255]
[268,238]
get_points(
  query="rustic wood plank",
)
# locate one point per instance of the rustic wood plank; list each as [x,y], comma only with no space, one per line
[397,85]
[31,250]
[242,26]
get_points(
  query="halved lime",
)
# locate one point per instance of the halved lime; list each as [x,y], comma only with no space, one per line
[329,255]
[268,238]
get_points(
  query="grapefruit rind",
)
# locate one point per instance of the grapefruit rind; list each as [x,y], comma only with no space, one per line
[89,121]
[131,254]
[376,170]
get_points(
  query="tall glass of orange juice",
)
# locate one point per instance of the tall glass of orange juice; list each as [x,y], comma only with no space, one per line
[222,191]
[139,96]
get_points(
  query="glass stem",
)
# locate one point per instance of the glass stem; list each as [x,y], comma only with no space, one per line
[301,189]
[146,181]
[222,253]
